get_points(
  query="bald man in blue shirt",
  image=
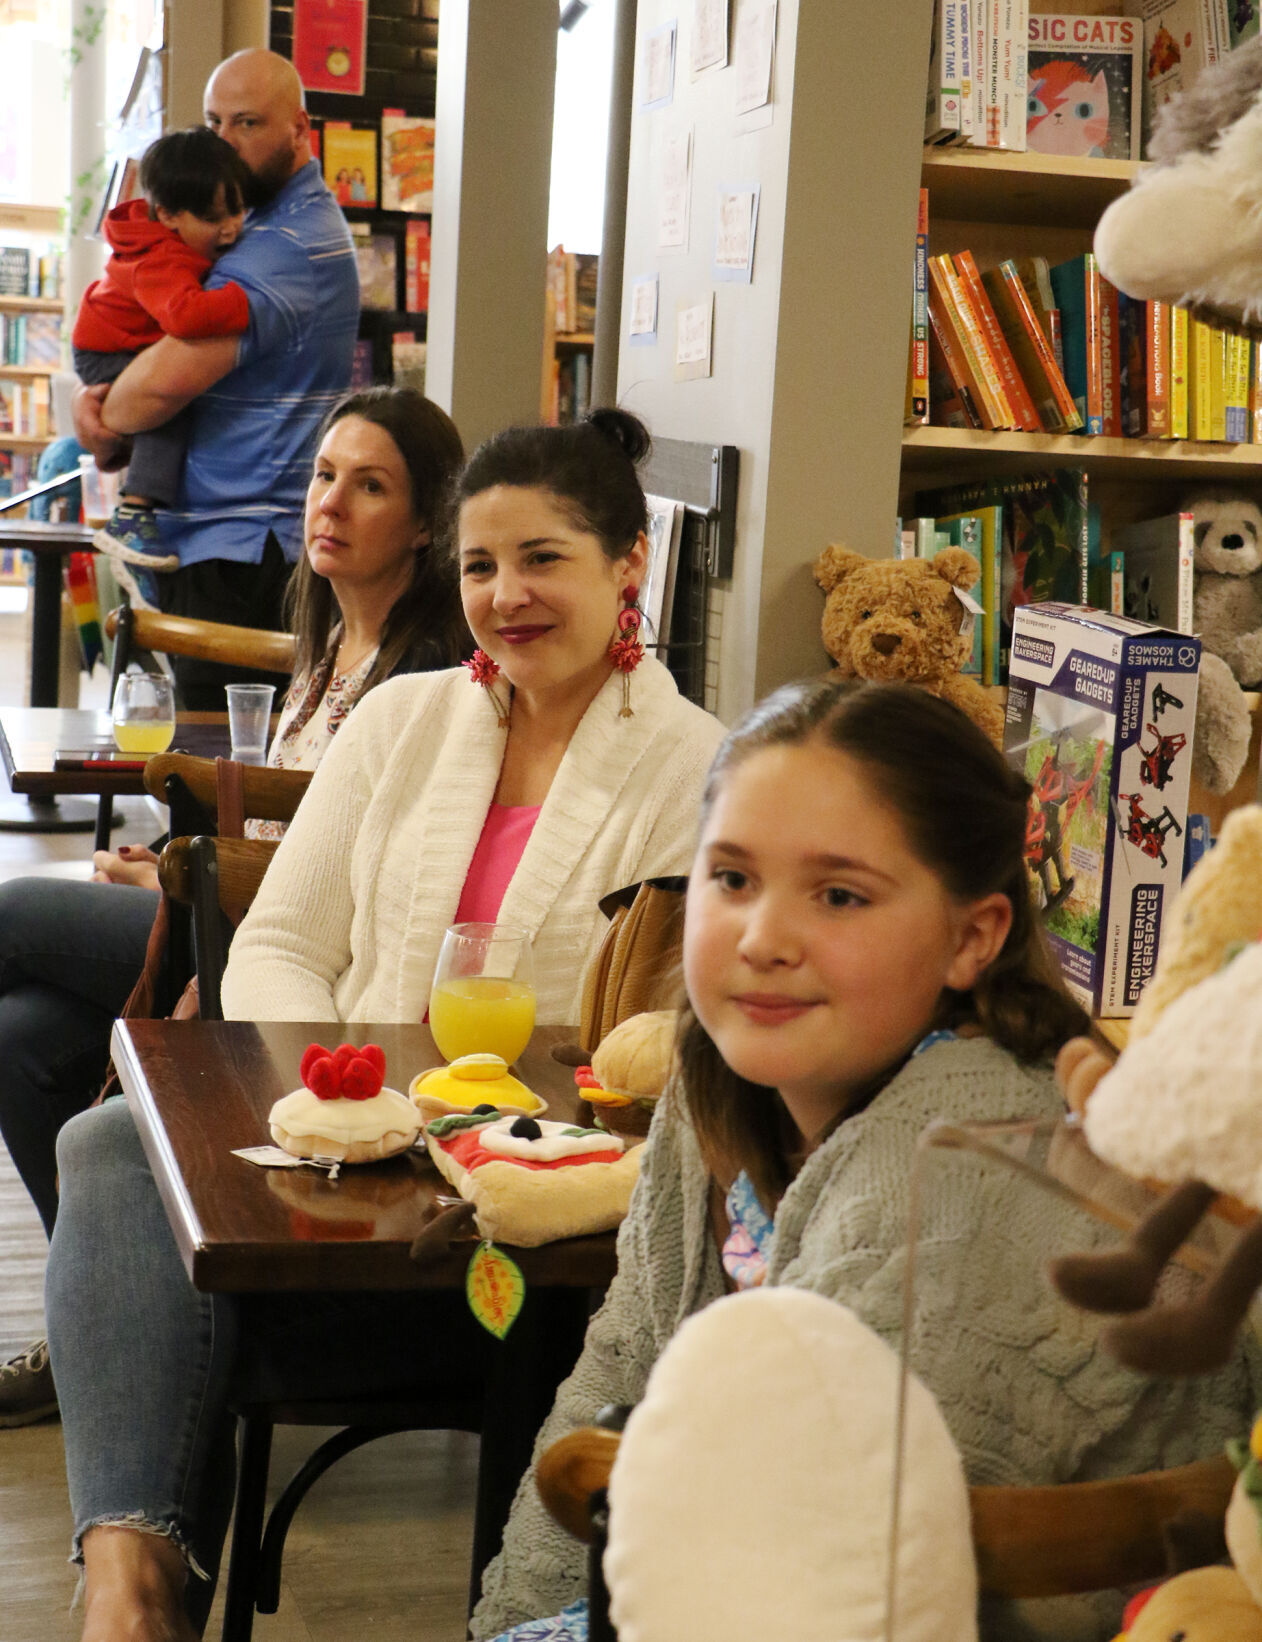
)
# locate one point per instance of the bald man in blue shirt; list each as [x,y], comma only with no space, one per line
[256,400]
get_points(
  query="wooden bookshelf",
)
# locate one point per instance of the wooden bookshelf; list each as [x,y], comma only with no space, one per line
[25,373]
[31,304]
[929,452]
[980,186]
[24,444]
[1010,205]
[574,340]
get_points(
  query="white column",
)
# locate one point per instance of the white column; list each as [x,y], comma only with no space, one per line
[88,175]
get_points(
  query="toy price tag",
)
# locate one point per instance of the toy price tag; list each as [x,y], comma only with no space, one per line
[495,1288]
[971,611]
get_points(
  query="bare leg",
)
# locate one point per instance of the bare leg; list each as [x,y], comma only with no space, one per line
[1123,1279]
[134,1588]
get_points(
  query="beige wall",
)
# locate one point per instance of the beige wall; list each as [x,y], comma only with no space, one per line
[200,34]
[801,381]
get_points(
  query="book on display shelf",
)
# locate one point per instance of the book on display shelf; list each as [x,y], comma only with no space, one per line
[1076,284]
[1086,77]
[407,162]
[1157,570]
[349,161]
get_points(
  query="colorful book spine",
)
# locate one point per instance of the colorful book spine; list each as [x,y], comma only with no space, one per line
[1133,325]
[1076,284]
[1200,373]
[918,407]
[1255,391]
[1117,584]
[1031,349]
[947,406]
[942,104]
[1236,410]
[1179,367]
[984,378]
[1158,405]
[1013,65]
[1014,388]
[991,71]
[1218,383]
[1110,361]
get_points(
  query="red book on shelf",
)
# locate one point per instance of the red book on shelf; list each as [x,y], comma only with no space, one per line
[1031,349]
[1015,390]
[943,340]
[988,393]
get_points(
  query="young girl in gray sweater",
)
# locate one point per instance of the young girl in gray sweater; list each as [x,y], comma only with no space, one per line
[862,956]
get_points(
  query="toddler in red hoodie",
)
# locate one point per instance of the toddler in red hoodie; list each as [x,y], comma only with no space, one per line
[163,246]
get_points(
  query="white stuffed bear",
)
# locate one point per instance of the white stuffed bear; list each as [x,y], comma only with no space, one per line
[750,1499]
[1228,616]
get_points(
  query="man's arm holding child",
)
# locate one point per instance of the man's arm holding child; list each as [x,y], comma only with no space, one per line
[158,383]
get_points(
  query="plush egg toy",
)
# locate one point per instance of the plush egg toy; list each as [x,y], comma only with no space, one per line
[470,1081]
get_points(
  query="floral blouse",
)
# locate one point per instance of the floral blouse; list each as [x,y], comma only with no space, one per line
[314,710]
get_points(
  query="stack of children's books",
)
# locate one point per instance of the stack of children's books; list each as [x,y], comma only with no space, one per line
[1034,347]
[1002,76]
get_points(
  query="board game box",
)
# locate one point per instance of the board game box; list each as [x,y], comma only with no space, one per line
[1099,720]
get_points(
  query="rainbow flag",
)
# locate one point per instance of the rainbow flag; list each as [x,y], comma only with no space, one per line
[81,583]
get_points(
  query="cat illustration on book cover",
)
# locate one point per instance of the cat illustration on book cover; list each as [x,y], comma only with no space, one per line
[1068,110]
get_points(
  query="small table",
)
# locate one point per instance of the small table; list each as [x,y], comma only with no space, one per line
[49,543]
[243,1229]
[30,738]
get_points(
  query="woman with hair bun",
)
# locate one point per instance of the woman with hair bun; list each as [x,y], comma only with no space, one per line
[561,765]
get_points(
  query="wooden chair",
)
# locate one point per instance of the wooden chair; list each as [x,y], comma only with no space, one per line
[149,630]
[217,879]
[1030,1542]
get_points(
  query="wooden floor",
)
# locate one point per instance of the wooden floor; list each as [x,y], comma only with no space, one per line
[380,1547]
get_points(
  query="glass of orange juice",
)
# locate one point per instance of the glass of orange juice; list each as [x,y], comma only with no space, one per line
[482,1001]
[143,713]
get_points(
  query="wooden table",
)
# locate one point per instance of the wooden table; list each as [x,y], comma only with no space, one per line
[31,736]
[199,1089]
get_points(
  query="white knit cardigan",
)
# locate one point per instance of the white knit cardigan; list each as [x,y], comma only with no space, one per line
[349,919]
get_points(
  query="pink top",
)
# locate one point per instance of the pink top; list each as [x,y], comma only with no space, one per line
[504,835]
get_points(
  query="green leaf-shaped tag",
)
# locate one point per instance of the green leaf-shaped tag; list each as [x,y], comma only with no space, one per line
[495,1288]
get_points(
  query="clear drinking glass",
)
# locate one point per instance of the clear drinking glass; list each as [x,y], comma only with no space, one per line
[249,714]
[482,1001]
[143,713]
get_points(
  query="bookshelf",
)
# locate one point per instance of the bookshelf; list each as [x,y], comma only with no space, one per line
[1008,205]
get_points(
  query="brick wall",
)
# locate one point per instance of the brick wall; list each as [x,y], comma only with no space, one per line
[402,63]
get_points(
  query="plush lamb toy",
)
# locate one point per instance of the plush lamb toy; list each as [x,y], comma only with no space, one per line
[1188,230]
[1228,616]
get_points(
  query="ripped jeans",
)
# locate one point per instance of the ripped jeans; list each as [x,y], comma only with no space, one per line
[147,1366]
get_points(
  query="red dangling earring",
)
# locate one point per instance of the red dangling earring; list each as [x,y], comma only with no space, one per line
[626,652]
[484,671]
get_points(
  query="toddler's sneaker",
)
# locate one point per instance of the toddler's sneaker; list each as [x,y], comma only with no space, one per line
[133,544]
[132,537]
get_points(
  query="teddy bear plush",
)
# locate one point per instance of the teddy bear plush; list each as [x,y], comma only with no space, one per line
[1228,616]
[902,619]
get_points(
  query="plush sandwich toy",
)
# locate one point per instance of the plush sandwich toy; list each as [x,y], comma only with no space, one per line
[629,1070]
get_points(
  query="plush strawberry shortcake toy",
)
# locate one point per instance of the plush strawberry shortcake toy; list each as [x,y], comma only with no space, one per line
[343,1112]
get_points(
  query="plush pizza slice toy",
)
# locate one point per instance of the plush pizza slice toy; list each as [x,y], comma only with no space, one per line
[531,1181]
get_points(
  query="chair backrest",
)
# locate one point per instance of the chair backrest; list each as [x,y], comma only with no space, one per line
[217,878]
[258,647]
[269,794]
[1030,1542]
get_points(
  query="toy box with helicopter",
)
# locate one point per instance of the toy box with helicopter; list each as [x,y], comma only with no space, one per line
[1099,720]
